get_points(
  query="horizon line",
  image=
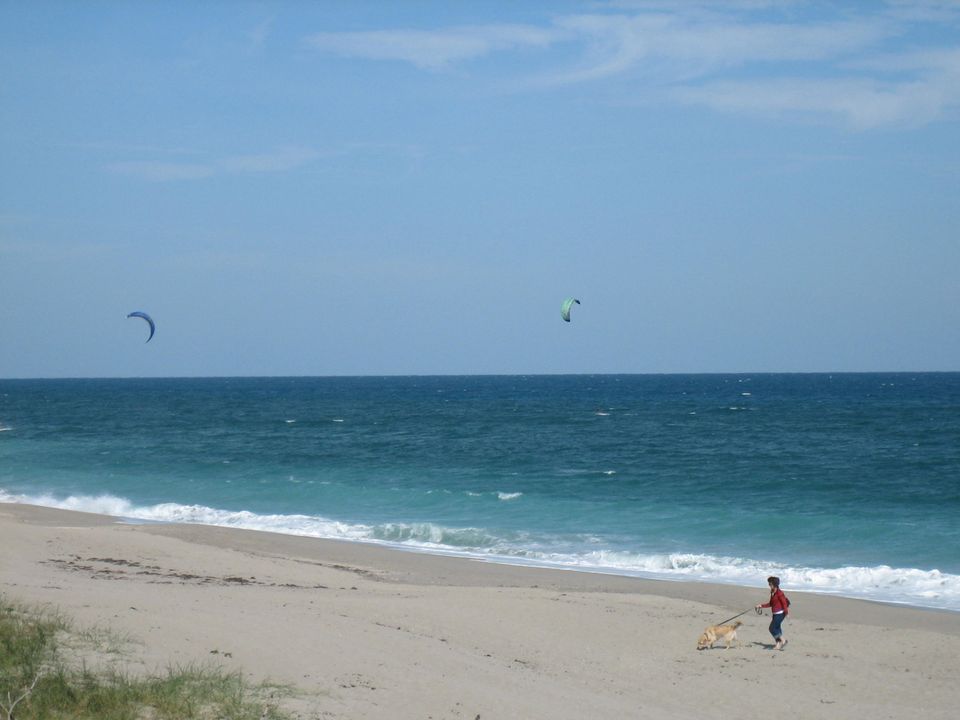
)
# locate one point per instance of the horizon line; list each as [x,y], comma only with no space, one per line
[478,375]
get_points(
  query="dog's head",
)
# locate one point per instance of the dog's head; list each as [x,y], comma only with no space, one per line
[704,641]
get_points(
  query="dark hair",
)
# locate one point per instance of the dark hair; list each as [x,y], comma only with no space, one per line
[775,580]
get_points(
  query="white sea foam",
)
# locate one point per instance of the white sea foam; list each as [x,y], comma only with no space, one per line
[309,525]
[911,586]
[509,495]
[929,588]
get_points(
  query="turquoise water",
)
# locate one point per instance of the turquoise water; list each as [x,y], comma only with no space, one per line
[847,484]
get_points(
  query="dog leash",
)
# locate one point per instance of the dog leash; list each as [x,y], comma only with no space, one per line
[759,612]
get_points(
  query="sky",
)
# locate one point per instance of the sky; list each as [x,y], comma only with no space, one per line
[396,188]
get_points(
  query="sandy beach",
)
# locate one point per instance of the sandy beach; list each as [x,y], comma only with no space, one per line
[370,632]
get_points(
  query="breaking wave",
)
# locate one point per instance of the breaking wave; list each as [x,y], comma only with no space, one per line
[910,586]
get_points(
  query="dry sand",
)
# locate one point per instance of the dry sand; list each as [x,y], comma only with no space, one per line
[371,632]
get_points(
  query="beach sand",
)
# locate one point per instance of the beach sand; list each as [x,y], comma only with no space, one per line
[370,632]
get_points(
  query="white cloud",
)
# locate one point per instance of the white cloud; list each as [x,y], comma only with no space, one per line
[259,34]
[927,62]
[936,11]
[677,48]
[860,104]
[929,91]
[615,43]
[162,171]
[433,49]
[36,251]
[856,66]
[281,160]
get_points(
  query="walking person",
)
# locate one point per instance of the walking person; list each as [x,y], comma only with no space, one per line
[779,608]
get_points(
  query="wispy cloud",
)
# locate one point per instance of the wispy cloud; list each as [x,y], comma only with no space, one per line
[281,160]
[52,252]
[929,90]
[861,104]
[161,171]
[674,48]
[856,66]
[934,11]
[259,34]
[433,49]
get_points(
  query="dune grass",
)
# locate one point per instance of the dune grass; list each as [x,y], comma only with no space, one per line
[37,681]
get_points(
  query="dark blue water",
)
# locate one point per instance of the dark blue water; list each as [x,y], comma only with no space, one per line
[846,483]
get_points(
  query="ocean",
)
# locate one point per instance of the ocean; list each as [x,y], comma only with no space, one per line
[847,484]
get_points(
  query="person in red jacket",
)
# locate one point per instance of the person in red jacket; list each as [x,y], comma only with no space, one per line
[778,605]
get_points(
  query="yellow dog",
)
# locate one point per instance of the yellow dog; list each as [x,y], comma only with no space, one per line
[727,633]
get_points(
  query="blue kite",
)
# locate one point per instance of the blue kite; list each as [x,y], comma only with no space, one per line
[153,326]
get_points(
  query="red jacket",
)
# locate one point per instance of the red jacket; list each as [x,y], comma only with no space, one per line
[778,602]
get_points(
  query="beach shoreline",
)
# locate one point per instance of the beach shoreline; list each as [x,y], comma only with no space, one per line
[366,631]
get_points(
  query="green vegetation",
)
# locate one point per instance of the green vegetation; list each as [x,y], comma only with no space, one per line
[37,681]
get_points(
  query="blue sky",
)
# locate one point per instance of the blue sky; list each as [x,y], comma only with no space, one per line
[326,188]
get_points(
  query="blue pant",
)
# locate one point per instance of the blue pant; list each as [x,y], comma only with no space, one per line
[775,625]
